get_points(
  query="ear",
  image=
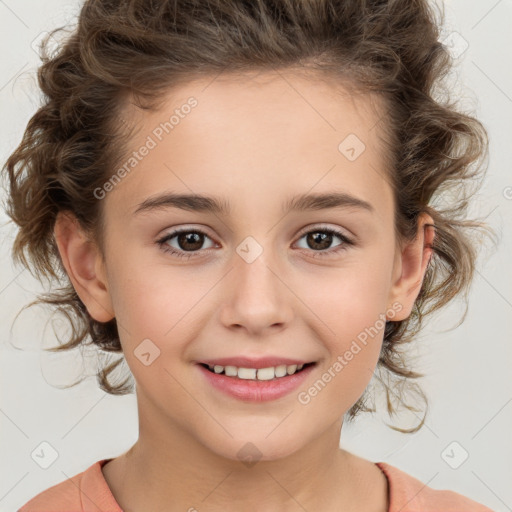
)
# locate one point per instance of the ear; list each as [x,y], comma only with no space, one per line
[410,267]
[84,266]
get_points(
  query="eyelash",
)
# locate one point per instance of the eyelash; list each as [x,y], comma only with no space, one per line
[192,254]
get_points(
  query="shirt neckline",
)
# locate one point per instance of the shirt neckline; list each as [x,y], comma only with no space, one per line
[104,497]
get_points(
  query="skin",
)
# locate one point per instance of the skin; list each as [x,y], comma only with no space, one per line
[254,142]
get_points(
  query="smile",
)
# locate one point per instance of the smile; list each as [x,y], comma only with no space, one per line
[272,372]
[254,384]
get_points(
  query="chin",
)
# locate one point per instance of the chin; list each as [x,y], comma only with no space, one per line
[253,449]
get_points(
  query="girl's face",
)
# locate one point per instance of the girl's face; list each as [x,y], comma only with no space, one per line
[257,278]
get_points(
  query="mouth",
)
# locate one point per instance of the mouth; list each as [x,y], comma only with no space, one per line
[254,384]
[257,374]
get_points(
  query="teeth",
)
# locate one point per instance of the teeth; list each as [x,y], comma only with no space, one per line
[246,373]
[290,369]
[257,374]
[230,371]
[266,373]
[280,370]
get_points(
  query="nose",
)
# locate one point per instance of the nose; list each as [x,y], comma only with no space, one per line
[256,297]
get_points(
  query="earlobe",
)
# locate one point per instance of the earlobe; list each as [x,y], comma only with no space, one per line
[81,260]
[413,261]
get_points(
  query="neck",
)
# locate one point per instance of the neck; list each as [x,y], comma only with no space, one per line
[167,466]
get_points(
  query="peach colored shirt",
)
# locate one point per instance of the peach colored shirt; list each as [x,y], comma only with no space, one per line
[89,492]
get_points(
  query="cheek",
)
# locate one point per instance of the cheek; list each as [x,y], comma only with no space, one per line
[352,321]
[155,315]
[152,302]
[348,299]
[349,310]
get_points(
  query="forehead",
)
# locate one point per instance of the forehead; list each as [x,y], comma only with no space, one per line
[252,134]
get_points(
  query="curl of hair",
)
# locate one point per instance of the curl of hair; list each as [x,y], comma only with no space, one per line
[138,49]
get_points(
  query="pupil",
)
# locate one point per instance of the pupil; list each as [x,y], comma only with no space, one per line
[185,238]
[318,238]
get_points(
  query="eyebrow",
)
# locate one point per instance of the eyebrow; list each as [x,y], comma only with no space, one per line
[211,204]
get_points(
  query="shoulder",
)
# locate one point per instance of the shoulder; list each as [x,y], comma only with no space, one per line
[60,497]
[83,492]
[408,494]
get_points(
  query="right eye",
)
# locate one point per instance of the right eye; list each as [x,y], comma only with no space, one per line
[193,238]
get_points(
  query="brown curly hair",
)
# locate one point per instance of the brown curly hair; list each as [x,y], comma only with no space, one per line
[140,49]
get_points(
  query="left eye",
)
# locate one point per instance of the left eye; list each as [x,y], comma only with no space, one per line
[323,237]
[190,241]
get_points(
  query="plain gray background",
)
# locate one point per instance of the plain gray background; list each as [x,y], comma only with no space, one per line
[467,369]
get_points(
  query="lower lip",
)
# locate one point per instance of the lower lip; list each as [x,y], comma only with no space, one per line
[256,390]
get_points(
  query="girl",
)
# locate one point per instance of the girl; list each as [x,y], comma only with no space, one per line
[242,198]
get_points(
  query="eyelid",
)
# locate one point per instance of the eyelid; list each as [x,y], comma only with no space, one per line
[327,227]
[302,232]
[173,232]
[185,227]
[347,240]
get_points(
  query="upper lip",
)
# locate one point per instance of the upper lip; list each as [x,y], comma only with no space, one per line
[249,362]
